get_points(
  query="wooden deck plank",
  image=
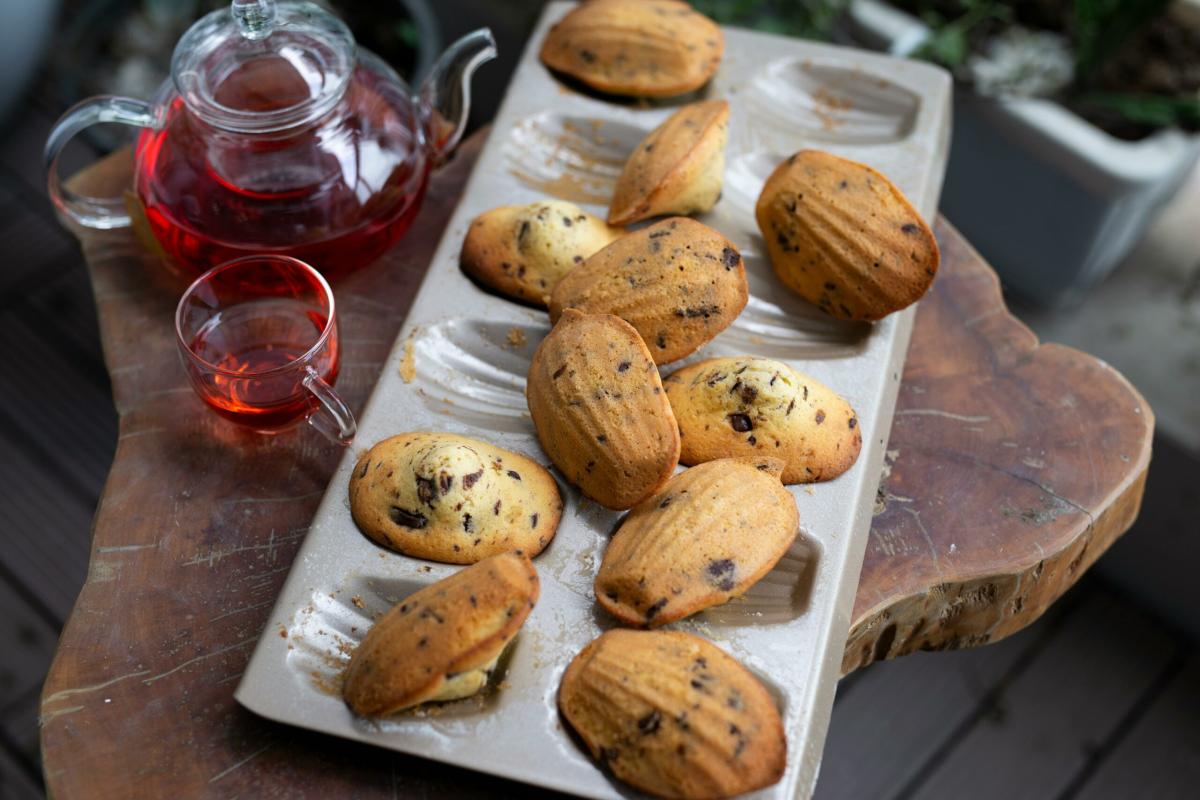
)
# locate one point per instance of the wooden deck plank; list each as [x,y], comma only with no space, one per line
[1159,757]
[1039,734]
[28,642]
[26,247]
[47,530]
[63,311]
[10,208]
[899,714]
[57,407]
[19,732]
[15,782]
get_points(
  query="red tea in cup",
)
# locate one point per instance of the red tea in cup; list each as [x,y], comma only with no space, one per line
[258,338]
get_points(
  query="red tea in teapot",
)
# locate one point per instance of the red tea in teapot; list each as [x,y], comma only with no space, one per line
[335,193]
[277,135]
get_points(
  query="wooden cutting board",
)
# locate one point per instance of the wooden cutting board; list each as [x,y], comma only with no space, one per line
[1012,466]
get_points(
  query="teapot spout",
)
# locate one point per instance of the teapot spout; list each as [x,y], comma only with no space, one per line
[445,95]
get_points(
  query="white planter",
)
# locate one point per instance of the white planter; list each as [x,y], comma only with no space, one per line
[1052,201]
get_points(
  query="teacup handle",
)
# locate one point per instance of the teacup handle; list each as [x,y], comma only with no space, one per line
[334,421]
[92,212]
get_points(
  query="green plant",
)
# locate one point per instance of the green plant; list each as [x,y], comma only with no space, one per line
[1098,31]
[1154,110]
[949,44]
[1102,27]
[809,19]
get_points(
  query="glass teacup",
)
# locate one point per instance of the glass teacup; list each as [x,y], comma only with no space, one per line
[258,338]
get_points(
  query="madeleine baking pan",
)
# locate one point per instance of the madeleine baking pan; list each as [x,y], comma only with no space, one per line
[459,365]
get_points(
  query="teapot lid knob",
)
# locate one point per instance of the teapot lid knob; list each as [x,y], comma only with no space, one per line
[255,18]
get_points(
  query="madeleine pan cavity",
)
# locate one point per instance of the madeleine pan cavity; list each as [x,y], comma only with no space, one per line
[802,99]
[781,595]
[474,371]
[572,158]
[775,323]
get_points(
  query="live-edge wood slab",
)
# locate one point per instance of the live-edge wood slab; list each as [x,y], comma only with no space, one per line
[1011,467]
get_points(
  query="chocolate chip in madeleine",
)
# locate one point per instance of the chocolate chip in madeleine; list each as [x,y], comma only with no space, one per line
[639,48]
[673,715]
[447,498]
[678,283]
[523,251]
[705,537]
[677,169]
[843,237]
[442,642]
[750,406]
[608,429]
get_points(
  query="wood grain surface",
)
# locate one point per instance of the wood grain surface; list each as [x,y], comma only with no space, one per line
[1012,467]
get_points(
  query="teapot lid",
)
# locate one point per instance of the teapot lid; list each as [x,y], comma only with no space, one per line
[263,66]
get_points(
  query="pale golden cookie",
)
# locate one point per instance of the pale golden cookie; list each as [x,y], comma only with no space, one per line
[442,642]
[843,237]
[641,48]
[677,169]
[749,406]
[453,499]
[523,251]
[707,536]
[599,409]
[672,714]
[678,283]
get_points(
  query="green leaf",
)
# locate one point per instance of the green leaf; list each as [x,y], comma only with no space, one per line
[947,46]
[812,19]
[1159,111]
[1103,26]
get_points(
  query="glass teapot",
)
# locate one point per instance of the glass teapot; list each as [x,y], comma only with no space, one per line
[275,134]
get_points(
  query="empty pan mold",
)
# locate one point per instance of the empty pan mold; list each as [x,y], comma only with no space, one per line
[803,98]
[572,158]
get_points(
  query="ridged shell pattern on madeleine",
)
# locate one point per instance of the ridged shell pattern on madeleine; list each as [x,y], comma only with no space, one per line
[639,48]
[707,536]
[678,283]
[442,642]
[750,406]
[673,715]
[677,169]
[599,409]
[454,499]
[840,235]
[523,251]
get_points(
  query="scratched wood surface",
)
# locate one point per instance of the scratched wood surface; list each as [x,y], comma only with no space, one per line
[1012,466]
[199,523]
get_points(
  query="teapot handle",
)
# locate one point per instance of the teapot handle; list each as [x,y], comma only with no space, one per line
[92,212]
[445,95]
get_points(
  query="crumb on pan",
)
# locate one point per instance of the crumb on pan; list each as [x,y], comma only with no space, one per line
[408,369]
